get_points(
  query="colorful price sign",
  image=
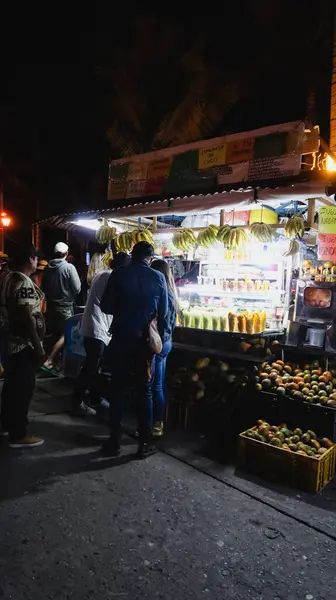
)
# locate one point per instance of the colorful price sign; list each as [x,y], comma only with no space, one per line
[240,151]
[116,190]
[327,246]
[137,171]
[211,157]
[327,219]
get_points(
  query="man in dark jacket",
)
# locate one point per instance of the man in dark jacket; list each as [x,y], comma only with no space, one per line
[60,284]
[133,295]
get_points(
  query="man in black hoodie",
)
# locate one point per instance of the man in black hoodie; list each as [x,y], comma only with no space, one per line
[60,284]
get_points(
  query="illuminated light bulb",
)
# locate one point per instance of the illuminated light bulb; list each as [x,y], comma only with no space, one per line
[330,164]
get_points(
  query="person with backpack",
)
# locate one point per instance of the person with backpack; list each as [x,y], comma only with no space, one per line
[23,329]
[61,284]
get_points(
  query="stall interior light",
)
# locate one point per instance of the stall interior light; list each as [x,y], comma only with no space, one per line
[93,224]
[330,164]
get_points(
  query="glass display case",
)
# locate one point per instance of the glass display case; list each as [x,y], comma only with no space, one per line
[235,296]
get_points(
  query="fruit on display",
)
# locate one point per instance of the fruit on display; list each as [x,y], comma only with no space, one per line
[108,256]
[105,234]
[247,322]
[222,233]
[304,443]
[308,382]
[204,380]
[207,237]
[184,239]
[295,226]
[142,235]
[323,272]
[261,232]
[123,242]
[292,249]
[203,318]
[232,237]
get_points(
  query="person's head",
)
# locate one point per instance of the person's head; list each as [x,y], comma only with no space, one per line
[25,259]
[61,250]
[163,267]
[143,251]
[121,259]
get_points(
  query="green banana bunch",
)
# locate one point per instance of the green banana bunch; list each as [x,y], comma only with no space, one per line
[142,235]
[294,226]
[105,234]
[124,242]
[261,232]
[292,249]
[208,236]
[232,237]
[184,239]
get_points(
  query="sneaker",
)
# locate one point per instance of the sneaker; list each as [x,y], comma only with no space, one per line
[110,448]
[145,450]
[84,410]
[3,433]
[29,441]
[157,430]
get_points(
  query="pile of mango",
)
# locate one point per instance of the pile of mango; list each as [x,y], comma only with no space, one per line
[308,382]
[305,443]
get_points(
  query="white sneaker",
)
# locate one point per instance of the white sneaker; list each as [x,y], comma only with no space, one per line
[3,433]
[85,410]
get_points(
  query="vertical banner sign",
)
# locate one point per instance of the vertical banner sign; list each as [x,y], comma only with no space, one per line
[327,233]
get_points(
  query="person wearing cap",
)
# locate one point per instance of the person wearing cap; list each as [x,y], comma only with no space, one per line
[133,296]
[22,345]
[95,328]
[61,284]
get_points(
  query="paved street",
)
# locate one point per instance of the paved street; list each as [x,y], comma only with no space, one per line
[77,526]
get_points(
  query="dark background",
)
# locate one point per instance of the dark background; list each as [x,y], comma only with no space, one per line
[67,79]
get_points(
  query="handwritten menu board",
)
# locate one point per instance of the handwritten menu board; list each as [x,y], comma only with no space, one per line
[327,233]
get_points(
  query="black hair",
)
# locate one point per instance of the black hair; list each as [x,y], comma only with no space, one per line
[121,259]
[142,251]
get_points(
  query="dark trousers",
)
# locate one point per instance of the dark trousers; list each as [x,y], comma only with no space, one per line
[17,391]
[126,359]
[88,378]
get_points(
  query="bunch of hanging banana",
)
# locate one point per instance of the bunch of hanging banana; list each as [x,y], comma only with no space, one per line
[232,237]
[261,232]
[142,235]
[294,226]
[208,236]
[184,239]
[107,258]
[105,234]
[222,233]
[123,242]
[292,249]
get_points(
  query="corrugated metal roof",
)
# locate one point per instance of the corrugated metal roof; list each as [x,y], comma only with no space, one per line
[306,184]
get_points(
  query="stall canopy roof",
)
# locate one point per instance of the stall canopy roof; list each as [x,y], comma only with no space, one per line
[308,184]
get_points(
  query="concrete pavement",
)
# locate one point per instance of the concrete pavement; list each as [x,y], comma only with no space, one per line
[78,526]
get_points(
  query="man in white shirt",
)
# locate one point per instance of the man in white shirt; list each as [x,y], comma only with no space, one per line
[95,329]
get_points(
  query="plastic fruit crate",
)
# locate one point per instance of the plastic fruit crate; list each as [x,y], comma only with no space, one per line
[283,466]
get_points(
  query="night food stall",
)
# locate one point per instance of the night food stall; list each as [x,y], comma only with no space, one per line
[241,210]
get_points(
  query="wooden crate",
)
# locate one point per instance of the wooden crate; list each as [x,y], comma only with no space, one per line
[282,466]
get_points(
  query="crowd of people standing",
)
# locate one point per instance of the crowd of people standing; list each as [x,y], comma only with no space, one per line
[130,300]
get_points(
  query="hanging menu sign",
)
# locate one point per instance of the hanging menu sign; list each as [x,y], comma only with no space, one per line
[327,219]
[326,248]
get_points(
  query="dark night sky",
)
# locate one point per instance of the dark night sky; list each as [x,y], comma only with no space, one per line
[53,143]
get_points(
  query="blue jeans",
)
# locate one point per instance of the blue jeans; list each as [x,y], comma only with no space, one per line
[125,358]
[159,380]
